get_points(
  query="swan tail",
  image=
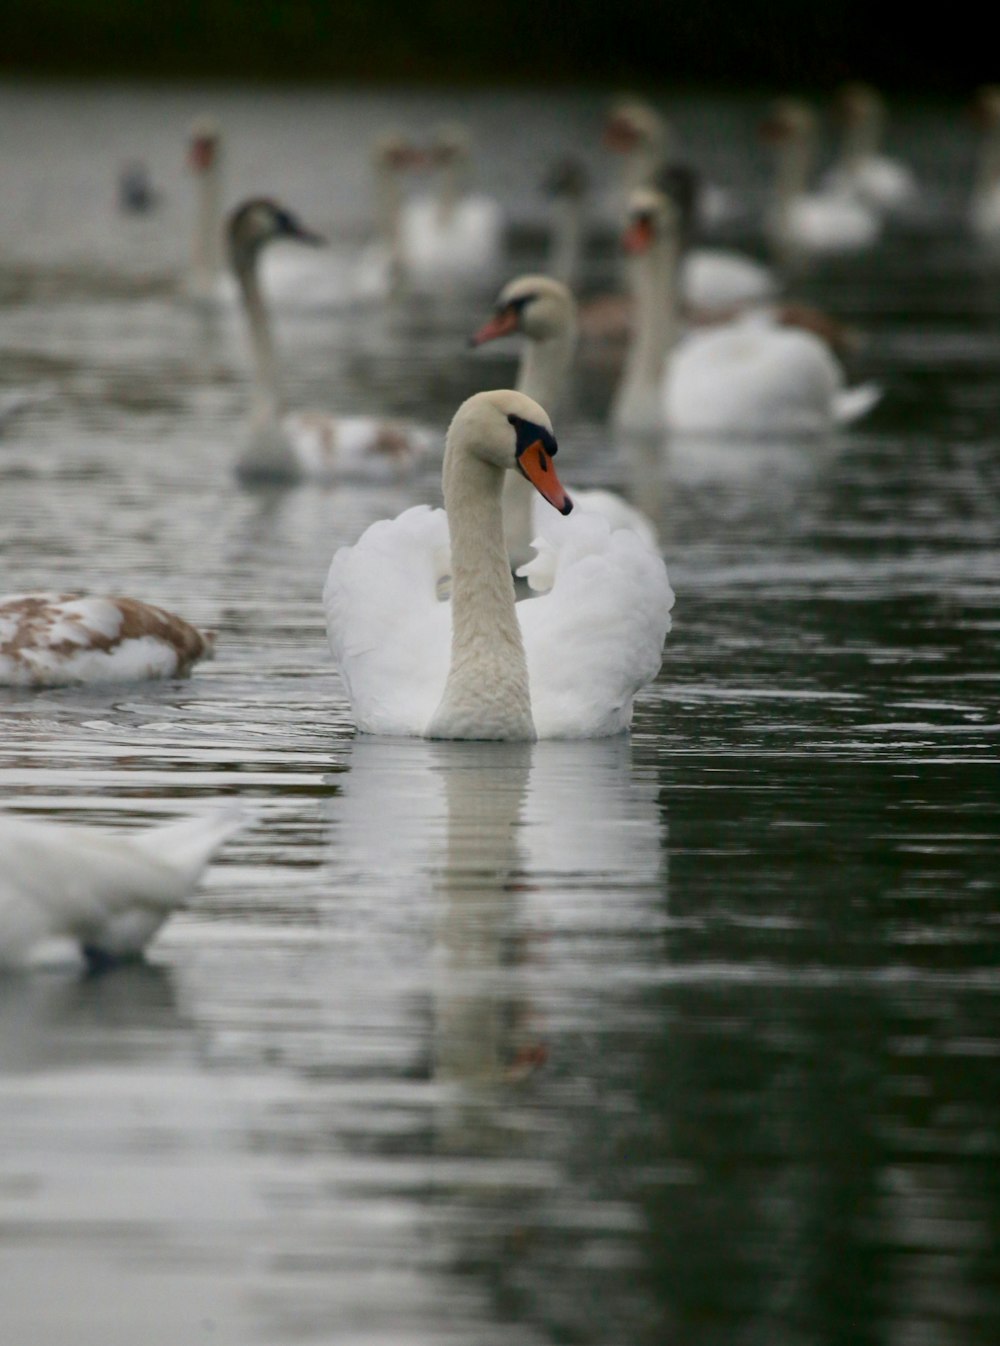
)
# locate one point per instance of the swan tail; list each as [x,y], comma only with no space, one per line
[187,846]
[852,403]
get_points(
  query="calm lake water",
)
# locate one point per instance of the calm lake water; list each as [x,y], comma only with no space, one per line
[686,1038]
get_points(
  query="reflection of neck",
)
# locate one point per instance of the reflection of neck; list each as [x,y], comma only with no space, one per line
[487,693]
[566,241]
[639,400]
[542,376]
[266,399]
[206,251]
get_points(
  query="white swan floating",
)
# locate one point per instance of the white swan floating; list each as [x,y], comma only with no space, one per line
[861,171]
[744,379]
[454,236]
[314,445]
[800,222]
[544,311]
[564,665]
[57,640]
[108,893]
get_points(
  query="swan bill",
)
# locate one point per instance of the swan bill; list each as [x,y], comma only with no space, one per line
[500,325]
[639,236]
[535,464]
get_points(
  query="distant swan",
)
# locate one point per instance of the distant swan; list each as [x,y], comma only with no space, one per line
[315,445]
[544,312]
[884,184]
[742,379]
[454,235]
[984,210]
[110,893]
[800,222]
[56,640]
[564,665]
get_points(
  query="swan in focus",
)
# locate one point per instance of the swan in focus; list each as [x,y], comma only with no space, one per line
[984,211]
[544,312]
[314,445]
[564,665]
[110,893]
[884,184]
[454,235]
[745,379]
[57,640]
[801,223]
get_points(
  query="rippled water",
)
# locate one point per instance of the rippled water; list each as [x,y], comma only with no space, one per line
[690,1037]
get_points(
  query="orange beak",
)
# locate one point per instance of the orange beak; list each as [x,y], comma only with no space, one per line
[638,237]
[501,325]
[535,464]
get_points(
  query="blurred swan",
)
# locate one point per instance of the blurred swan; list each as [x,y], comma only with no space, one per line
[381,270]
[544,312]
[315,445]
[207,282]
[984,210]
[108,893]
[884,184]
[453,236]
[564,665]
[802,222]
[744,379]
[566,186]
[56,640]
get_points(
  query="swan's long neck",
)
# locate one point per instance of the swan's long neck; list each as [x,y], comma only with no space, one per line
[639,399]
[266,398]
[206,249]
[542,375]
[388,216]
[791,172]
[862,139]
[450,188]
[487,694]
[988,168]
[566,241]
[642,163]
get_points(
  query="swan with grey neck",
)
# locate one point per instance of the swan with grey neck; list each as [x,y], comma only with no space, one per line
[564,665]
[311,445]
[745,379]
[543,311]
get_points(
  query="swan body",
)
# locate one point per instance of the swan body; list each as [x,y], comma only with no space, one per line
[306,445]
[861,171]
[711,279]
[745,378]
[564,665]
[57,640]
[543,310]
[453,235]
[109,893]
[802,222]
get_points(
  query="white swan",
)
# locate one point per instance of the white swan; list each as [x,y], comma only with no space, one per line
[566,186]
[984,208]
[745,379]
[382,270]
[208,282]
[544,312]
[315,445]
[564,665]
[56,640]
[799,222]
[861,172]
[108,893]
[453,236]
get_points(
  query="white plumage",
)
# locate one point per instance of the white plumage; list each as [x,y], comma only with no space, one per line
[56,640]
[109,893]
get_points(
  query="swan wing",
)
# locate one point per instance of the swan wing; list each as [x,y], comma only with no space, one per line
[850,404]
[597,636]
[389,631]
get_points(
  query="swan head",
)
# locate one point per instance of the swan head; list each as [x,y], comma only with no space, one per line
[392,150]
[788,120]
[632,125]
[258,222]
[511,432]
[203,145]
[537,306]
[651,218]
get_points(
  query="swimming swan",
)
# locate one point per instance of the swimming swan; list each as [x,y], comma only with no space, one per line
[544,312]
[57,640]
[744,379]
[110,893]
[886,185]
[564,665]
[316,445]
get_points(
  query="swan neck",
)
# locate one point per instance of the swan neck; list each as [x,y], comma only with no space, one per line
[861,140]
[450,189]
[487,693]
[792,164]
[206,249]
[266,400]
[566,243]
[988,171]
[545,364]
[388,214]
[652,278]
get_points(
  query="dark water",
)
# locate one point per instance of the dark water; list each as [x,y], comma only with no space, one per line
[690,1037]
